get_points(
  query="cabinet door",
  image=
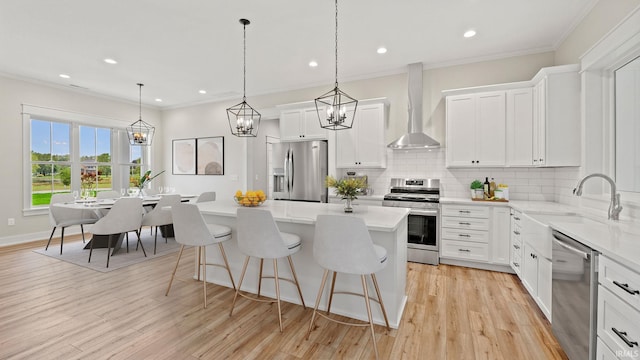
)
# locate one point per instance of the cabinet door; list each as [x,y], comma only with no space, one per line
[544,286]
[530,270]
[490,129]
[499,243]
[461,132]
[346,144]
[371,149]
[290,121]
[520,127]
[539,122]
[311,126]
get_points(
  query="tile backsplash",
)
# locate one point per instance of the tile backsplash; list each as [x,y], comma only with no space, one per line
[542,184]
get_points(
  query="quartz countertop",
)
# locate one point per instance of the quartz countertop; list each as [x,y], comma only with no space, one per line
[376,218]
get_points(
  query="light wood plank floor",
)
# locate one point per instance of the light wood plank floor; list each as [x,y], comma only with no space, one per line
[50,309]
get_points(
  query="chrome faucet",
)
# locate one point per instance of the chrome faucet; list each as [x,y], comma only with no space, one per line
[614,205]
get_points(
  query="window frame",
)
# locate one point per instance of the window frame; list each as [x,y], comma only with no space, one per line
[120,149]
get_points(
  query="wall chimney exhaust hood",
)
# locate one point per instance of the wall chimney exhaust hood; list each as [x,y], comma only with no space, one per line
[415,138]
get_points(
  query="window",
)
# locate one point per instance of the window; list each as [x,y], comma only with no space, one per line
[69,152]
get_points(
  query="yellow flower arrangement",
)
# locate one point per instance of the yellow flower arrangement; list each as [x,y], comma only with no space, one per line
[348,188]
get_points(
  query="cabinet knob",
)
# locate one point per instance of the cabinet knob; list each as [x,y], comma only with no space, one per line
[464,250]
[541,160]
[535,160]
[516,264]
[534,256]
[473,161]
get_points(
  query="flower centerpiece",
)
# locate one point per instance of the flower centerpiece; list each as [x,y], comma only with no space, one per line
[88,182]
[145,179]
[347,188]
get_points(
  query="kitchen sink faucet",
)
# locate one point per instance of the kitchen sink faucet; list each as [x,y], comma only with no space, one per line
[614,205]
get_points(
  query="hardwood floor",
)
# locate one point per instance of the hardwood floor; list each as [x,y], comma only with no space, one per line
[50,309]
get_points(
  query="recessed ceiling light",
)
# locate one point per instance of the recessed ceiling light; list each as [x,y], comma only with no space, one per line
[64,76]
[202,91]
[313,63]
[382,50]
[159,100]
[110,61]
[469,33]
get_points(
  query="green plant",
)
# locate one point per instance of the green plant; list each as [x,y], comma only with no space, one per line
[347,188]
[146,177]
[476,184]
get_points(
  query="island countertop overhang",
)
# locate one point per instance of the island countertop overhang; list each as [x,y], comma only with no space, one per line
[377,218]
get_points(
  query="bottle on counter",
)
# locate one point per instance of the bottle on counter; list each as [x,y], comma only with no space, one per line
[487,187]
[492,188]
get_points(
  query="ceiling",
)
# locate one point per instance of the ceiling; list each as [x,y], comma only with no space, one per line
[177,48]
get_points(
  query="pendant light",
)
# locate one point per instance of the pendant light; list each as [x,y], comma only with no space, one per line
[332,106]
[243,119]
[140,132]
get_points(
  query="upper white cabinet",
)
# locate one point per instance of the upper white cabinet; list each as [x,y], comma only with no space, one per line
[556,117]
[299,122]
[363,145]
[528,123]
[476,129]
[520,127]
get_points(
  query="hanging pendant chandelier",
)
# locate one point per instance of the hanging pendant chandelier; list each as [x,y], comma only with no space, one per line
[140,132]
[243,119]
[336,110]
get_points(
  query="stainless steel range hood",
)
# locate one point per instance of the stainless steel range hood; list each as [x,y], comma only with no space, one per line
[415,138]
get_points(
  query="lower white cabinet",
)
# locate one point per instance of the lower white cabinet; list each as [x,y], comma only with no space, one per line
[475,233]
[618,311]
[517,247]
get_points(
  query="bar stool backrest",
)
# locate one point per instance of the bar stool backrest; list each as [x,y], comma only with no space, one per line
[258,234]
[189,226]
[343,244]
[206,196]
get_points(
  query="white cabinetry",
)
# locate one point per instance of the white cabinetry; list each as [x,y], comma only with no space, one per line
[299,122]
[476,129]
[556,117]
[476,234]
[520,127]
[536,261]
[517,248]
[363,145]
[618,310]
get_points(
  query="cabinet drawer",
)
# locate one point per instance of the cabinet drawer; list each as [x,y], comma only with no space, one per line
[465,235]
[604,353]
[618,323]
[465,250]
[465,223]
[516,262]
[620,280]
[466,211]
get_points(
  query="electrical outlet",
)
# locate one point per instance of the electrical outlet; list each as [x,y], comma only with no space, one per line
[11,221]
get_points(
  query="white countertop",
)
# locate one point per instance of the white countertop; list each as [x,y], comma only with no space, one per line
[377,218]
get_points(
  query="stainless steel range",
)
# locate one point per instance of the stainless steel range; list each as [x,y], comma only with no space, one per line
[422,196]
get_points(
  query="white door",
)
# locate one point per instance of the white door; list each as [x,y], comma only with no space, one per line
[520,127]
[461,133]
[490,129]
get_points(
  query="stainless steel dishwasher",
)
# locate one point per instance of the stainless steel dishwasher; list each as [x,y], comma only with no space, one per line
[574,293]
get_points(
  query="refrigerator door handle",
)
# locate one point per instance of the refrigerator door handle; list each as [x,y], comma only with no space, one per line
[292,164]
[286,169]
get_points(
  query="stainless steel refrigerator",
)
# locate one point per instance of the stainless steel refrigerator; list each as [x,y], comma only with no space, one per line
[299,170]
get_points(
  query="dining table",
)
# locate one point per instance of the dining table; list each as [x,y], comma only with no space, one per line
[97,205]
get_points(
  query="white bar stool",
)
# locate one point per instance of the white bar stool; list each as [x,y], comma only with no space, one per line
[259,237]
[190,229]
[343,244]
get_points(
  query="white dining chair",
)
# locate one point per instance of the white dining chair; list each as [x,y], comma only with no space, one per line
[160,216]
[63,217]
[259,237]
[104,195]
[206,196]
[342,244]
[191,230]
[124,216]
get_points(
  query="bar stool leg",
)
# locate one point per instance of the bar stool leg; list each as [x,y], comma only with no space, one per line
[315,308]
[204,273]
[333,284]
[275,275]
[235,297]
[226,264]
[384,312]
[366,299]
[174,270]
[199,256]
[260,277]
[295,278]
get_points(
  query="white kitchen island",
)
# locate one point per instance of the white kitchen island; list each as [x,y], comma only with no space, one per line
[387,226]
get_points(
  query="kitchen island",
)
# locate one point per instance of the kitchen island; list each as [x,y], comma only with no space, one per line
[387,226]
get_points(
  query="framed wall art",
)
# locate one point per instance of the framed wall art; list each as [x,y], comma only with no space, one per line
[184,157]
[210,155]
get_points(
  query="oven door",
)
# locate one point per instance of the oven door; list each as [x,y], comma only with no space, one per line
[423,229]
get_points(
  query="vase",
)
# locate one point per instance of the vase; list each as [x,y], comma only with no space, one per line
[141,193]
[347,205]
